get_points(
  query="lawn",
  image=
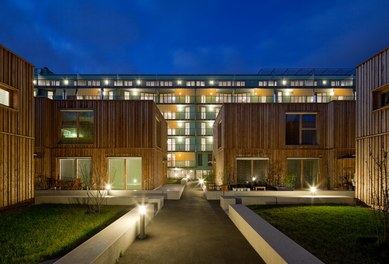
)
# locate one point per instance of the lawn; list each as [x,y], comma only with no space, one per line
[40,232]
[335,234]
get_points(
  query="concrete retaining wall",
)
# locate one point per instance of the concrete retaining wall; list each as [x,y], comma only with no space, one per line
[215,195]
[225,201]
[106,246]
[272,245]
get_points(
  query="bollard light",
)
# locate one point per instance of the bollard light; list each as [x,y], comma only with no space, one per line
[142,216]
[108,188]
[313,190]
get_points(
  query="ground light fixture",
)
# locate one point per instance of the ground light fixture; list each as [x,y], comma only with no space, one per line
[313,189]
[142,216]
[108,188]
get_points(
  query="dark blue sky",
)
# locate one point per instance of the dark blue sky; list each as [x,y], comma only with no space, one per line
[200,36]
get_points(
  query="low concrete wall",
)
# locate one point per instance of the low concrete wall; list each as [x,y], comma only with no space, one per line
[106,246]
[109,200]
[215,195]
[169,192]
[225,201]
[272,245]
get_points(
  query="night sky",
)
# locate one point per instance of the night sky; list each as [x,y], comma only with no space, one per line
[200,36]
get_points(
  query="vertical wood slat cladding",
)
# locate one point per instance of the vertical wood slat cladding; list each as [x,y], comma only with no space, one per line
[372,124]
[121,129]
[16,130]
[258,130]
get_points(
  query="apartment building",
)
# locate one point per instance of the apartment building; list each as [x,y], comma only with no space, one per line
[372,134]
[293,145]
[91,143]
[190,103]
[16,129]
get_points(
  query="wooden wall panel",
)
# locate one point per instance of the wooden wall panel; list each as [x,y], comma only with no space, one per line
[16,130]
[372,133]
[121,129]
[258,130]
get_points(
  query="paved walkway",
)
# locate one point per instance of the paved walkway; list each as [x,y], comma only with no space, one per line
[191,230]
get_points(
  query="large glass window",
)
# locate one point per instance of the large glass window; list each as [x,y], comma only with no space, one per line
[125,173]
[76,168]
[77,127]
[252,170]
[4,97]
[302,173]
[300,129]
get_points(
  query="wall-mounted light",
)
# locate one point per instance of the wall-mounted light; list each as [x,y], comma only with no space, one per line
[324,82]
[106,82]
[138,82]
[284,82]
[65,82]
[288,92]
[179,82]
[34,82]
[211,82]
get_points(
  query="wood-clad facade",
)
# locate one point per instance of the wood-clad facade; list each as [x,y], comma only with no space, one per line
[121,130]
[372,134]
[258,137]
[16,129]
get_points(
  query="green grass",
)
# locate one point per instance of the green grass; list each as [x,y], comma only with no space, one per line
[335,234]
[40,232]
[173,181]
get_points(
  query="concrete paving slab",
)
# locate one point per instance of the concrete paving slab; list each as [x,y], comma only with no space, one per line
[191,230]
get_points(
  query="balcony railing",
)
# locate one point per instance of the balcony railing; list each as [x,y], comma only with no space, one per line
[213,99]
[181,147]
[181,163]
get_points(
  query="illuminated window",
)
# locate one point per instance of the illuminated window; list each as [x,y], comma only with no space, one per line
[4,97]
[240,83]
[77,127]
[187,144]
[118,83]
[252,170]
[302,173]
[94,83]
[127,83]
[125,173]
[111,95]
[300,129]
[171,144]
[76,168]
[147,96]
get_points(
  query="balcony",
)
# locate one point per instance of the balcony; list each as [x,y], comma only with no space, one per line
[181,132]
[181,163]
[181,147]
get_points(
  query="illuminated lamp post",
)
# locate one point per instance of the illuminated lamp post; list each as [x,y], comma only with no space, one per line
[142,216]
